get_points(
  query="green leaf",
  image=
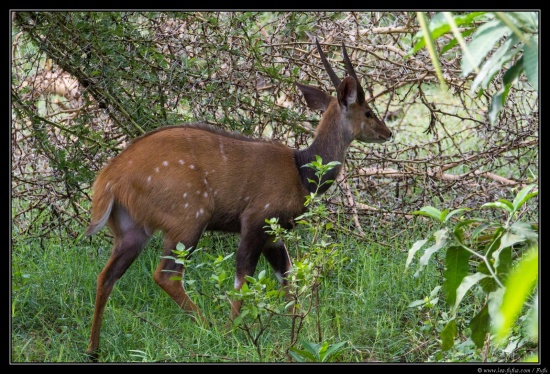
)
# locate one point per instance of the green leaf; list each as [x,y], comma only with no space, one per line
[416,303]
[495,63]
[238,320]
[497,103]
[524,230]
[456,211]
[533,320]
[448,335]
[513,73]
[456,268]
[519,285]
[482,227]
[468,18]
[523,196]
[440,237]
[439,26]
[504,263]
[300,355]
[333,351]
[430,46]
[261,275]
[454,41]
[470,221]
[416,246]
[526,20]
[507,240]
[500,205]
[512,21]
[465,285]
[482,43]
[312,348]
[480,326]
[429,211]
[488,284]
[434,292]
[249,279]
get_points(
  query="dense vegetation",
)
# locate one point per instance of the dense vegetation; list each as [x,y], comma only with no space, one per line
[85,83]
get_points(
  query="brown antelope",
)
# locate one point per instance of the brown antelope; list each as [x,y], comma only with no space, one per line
[186,179]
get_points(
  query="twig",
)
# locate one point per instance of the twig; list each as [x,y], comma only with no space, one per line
[342,182]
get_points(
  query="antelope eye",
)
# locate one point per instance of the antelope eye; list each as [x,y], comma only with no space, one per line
[369,114]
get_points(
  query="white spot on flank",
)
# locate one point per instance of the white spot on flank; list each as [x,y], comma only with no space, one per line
[266,206]
[149,179]
[157,170]
[186,205]
[191,166]
[248,198]
[205,194]
[198,192]
[107,185]
[184,195]
[181,162]
[165,163]
[199,213]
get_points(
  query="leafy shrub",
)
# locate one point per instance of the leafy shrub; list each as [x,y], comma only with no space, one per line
[480,252]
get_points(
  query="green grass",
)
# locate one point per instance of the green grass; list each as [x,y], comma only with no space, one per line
[53,290]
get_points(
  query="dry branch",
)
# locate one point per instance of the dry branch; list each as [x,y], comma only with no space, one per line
[83,93]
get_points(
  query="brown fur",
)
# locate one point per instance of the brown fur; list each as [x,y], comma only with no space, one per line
[150,181]
[183,180]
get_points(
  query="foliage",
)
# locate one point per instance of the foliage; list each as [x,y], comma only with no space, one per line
[520,285]
[479,252]
[313,352]
[515,35]
[262,296]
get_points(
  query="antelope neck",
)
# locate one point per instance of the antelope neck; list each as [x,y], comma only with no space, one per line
[330,146]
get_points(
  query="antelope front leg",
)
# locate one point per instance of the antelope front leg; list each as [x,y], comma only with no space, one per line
[248,254]
[277,256]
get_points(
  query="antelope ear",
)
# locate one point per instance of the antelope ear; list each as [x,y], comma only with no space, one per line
[315,98]
[347,92]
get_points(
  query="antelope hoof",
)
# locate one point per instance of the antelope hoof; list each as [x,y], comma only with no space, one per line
[92,356]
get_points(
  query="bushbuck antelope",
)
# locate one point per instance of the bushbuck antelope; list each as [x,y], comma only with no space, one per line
[186,179]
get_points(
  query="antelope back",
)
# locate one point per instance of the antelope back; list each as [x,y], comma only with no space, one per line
[183,176]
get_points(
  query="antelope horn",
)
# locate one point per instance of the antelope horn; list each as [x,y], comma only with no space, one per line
[351,71]
[335,80]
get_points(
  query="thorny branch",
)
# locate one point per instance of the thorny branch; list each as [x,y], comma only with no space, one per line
[85,83]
